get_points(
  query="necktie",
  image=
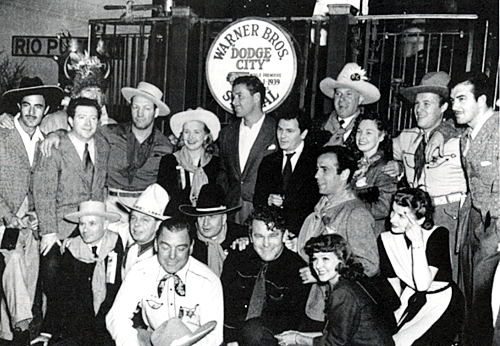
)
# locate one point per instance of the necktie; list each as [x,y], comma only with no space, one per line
[179,286]
[419,160]
[87,161]
[287,171]
[258,298]
[94,251]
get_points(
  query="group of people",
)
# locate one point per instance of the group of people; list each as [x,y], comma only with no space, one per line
[269,231]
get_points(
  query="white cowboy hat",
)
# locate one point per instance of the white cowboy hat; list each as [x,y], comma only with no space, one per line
[174,331]
[151,202]
[91,208]
[149,91]
[199,114]
[353,77]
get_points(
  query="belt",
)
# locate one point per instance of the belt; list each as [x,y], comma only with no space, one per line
[451,198]
[124,193]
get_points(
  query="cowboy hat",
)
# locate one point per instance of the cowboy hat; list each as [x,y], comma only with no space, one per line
[34,86]
[149,91]
[353,77]
[432,82]
[95,208]
[178,120]
[175,332]
[151,202]
[211,201]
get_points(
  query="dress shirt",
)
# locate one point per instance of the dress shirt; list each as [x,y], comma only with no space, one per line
[80,146]
[202,303]
[295,157]
[346,123]
[29,142]
[473,132]
[248,135]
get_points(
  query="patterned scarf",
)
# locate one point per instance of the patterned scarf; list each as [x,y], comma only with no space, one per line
[216,254]
[82,252]
[199,176]
[333,126]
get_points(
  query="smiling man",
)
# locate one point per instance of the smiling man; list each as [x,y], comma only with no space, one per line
[170,284]
[263,292]
[286,177]
[443,178]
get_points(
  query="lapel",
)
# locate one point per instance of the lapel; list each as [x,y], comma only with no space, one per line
[101,156]
[70,155]
[301,169]
[18,146]
[233,139]
[266,132]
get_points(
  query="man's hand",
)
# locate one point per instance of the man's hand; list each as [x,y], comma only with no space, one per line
[275,199]
[43,338]
[240,243]
[52,141]
[306,275]
[7,121]
[15,222]
[392,169]
[436,143]
[291,242]
[48,240]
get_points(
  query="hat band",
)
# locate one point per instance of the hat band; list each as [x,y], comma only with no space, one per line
[207,210]
[146,211]
[153,96]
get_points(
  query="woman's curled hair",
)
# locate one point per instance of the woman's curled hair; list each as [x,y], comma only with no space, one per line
[419,202]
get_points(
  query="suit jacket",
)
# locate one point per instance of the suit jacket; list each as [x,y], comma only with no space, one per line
[60,185]
[302,192]
[15,173]
[240,185]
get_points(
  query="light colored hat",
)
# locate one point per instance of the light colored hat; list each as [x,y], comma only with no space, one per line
[178,120]
[149,91]
[92,208]
[175,329]
[432,82]
[353,77]
[151,202]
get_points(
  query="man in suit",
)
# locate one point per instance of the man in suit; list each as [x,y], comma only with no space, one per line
[472,106]
[349,92]
[74,173]
[263,291]
[89,278]
[286,177]
[214,232]
[243,144]
[18,220]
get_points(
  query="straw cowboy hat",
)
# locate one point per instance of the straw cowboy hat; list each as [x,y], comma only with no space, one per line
[199,114]
[211,201]
[151,202]
[94,208]
[149,91]
[174,332]
[432,82]
[34,86]
[353,77]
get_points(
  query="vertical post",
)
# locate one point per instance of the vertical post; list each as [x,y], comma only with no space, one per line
[177,58]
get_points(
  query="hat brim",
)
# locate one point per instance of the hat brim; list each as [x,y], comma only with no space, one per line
[52,94]
[178,120]
[194,211]
[200,333]
[370,92]
[75,217]
[132,207]
[129,92]
[411,93]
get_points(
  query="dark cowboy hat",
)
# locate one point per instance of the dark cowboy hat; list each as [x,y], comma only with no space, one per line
[34,86]
[211,201]
[432,82]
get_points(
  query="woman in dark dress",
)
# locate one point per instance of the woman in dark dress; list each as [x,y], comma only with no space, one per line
[353,318]
[372,185]
[414,256]
[183,173]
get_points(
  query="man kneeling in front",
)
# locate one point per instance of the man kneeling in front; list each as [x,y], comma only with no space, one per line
[168,285]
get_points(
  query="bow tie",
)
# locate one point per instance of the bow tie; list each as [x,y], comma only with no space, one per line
[179,286]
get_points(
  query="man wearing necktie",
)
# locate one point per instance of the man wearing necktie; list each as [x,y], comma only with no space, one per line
[170,284]
[472,99]
[350,91]
[263,291]
[89,278]
[286,178]
[443,178]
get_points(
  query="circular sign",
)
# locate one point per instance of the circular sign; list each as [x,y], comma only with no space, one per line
[257,47]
